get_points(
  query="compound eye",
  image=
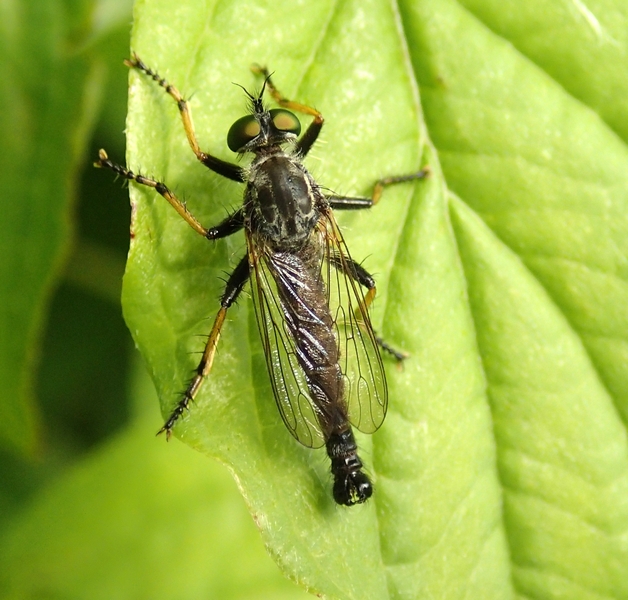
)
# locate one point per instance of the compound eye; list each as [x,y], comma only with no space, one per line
[242,132]
[284,120]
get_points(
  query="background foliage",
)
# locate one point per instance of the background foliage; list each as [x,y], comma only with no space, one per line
[501,469]
[92,505]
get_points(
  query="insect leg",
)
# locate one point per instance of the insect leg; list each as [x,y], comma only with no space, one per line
[231,224]
[234,286]
[358,273]
[224,168]
[347,203]
[306,141]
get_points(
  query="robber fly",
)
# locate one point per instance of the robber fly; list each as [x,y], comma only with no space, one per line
[321,351]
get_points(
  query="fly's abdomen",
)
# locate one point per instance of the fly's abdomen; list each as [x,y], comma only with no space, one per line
[306,312]
[351,485]
[307,315]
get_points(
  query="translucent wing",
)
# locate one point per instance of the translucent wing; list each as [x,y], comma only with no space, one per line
[290,388]
[366,392]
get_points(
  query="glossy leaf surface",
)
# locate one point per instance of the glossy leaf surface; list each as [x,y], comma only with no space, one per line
[501,470]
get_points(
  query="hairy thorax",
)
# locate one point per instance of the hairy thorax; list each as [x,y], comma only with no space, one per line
[282,201]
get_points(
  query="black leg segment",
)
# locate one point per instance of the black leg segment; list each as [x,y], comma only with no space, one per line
[234,222]
[306,141]
[356,203]
[358,273]
[222,167]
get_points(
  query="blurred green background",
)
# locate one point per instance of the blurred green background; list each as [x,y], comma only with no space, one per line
[92,505]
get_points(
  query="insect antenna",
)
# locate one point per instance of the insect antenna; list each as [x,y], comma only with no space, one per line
[257,104]
[252,98]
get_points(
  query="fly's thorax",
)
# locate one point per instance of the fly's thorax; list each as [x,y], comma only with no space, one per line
[282,200]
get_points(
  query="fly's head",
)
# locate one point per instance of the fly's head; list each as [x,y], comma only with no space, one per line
[263,128]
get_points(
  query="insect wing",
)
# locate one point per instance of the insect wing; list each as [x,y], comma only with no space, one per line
[287,378]
[360,360]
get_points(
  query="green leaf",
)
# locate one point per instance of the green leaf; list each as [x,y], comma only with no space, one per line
[501,470]
[134,517]
[134,520]
[47,96]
